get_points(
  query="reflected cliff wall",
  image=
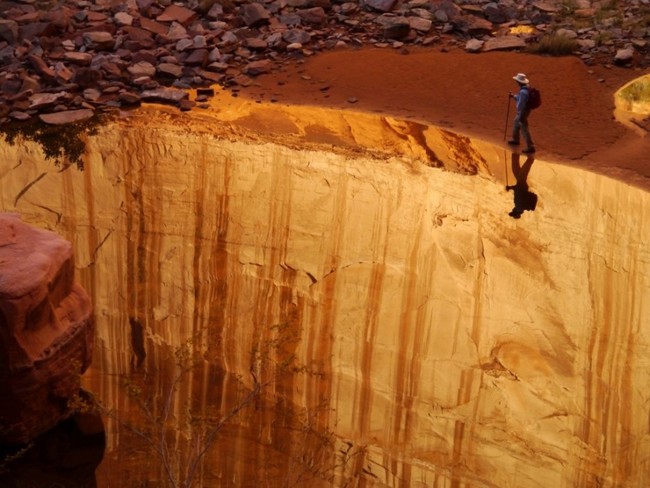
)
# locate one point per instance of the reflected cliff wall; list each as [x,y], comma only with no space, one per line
[457,345]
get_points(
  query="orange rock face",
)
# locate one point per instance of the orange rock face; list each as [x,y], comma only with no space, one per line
[46,330]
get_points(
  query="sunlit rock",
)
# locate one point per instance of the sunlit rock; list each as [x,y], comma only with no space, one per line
[46,330]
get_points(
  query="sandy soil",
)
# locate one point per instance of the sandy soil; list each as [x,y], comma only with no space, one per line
[468,93]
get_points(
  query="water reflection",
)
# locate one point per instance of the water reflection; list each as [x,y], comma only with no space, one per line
[389,293]
[524,199]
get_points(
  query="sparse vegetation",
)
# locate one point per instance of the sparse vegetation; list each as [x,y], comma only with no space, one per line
[60,143]
[555,45]
[637,92]
[177,432]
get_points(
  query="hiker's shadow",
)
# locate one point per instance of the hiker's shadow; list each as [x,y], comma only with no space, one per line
[524,199]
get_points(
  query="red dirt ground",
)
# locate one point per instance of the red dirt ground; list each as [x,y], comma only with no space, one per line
[468,93]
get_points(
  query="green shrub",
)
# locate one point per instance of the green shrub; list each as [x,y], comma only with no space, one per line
[638,91]
[555,45]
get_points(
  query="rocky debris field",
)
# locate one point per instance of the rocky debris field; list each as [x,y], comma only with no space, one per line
[65,60]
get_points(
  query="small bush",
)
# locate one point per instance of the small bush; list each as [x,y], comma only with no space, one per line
[638,91]
[555,45]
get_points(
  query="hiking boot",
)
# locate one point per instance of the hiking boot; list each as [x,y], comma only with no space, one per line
[528,150]
[513,142]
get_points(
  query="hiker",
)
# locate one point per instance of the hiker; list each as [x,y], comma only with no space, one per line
[524,198]
[523,111]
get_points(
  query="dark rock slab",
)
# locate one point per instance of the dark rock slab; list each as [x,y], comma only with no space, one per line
[66,116]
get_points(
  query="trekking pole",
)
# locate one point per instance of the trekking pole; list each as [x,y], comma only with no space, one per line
[505,129]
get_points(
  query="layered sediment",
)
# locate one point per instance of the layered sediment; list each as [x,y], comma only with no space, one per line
[456,345]
[46,330]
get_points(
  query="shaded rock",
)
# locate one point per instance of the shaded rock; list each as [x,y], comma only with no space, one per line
[394,27]
[419,24]
[153,26]
[380,5]
[176,13]
[256,44]
[66,117]
[198,57]
[254,14]
[87,77]
[474,25]
[21,116]
[624,55]
[123,18]
[299,36]
[42,100]
[184,44]
[568,33]
[41,67]
[63,74]
[474,45]
[215,12]
[494,14]
[82,59]
[256,68]
[129,98]
[144,7]
[98,40]
[141,68]
[164,95]
[9,31]
[313,16]
[177,31]
[169,69]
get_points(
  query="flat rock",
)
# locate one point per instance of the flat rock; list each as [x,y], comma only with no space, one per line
[67,116]
[474,45]
[504,43]
[176,13]
[256,68]
[254,14]
[83,59]
[98,40]
[381,5]
[164,95]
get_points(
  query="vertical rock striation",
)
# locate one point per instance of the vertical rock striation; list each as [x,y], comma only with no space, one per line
[46,330]
[456,345]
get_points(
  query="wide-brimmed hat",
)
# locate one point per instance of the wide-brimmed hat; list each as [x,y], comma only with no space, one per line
[521,78]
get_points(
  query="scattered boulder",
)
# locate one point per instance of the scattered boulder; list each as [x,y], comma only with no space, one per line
[254,14]
[140,45]
[98,40]
[474,45]
[624,56]
[176,13]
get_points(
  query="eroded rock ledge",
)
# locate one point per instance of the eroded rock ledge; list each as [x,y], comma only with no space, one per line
[46,329]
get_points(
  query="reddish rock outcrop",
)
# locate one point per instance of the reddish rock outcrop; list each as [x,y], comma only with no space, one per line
[46,330]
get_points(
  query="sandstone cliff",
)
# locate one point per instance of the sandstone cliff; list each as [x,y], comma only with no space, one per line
[46,330]
[459,346]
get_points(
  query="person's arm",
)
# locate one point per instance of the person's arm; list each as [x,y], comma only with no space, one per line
[522,100]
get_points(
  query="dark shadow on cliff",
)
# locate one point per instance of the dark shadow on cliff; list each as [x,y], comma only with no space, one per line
[524,199]
[65,456]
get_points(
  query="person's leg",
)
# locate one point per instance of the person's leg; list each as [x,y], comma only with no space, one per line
[523,123]
[516,126]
